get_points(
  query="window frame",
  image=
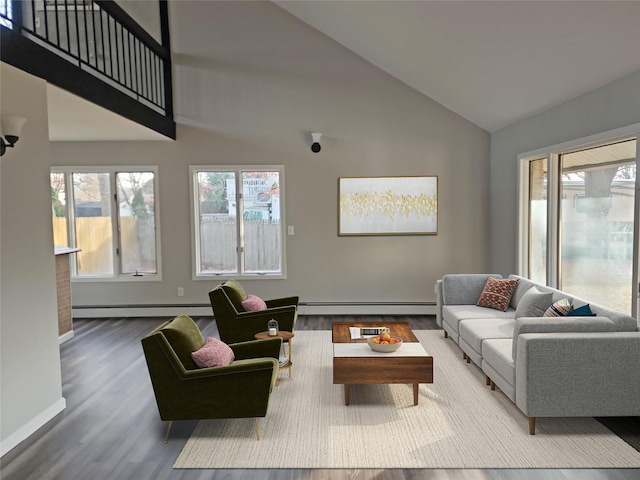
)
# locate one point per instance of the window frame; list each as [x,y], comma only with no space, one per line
[553,155]
[117,275]
[240,274]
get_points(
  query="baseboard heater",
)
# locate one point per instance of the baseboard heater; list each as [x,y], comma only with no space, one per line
[204,309]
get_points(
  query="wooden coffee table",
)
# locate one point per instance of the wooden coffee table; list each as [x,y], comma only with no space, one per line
[355,363]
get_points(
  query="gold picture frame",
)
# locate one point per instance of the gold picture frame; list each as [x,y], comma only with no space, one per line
[388,205]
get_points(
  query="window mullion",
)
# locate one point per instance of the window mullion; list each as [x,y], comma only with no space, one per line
[554,196]
[240,221]
[71,218]
[115,225]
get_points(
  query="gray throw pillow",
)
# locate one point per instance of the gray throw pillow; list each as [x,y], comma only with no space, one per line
[533,303]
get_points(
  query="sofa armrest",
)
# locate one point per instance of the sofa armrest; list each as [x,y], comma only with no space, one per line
[269,347]
[578,374]
[558,325]
[464,288]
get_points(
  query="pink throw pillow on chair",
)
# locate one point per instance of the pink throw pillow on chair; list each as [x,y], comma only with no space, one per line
[253,303]
[214,353]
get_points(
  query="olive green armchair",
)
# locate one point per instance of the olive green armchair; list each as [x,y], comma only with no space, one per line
[184,391]
[236,325]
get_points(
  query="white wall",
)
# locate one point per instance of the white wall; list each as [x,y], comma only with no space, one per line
[612,106]
[31,391]
[251,82]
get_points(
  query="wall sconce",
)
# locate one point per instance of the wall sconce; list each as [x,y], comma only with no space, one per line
[10,130]
[315,142]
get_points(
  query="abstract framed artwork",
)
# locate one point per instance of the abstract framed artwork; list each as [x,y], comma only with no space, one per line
[388,205]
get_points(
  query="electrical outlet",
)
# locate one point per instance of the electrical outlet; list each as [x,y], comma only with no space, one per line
[290,230]
[180,292]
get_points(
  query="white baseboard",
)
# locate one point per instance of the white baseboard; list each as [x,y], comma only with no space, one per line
[366,310]
[30,428]
[318,308]
[131,311]
[64,337]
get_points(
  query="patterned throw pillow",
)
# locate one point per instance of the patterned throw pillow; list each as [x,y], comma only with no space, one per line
[253,303]
[214,353]
[561,308]
[497,293]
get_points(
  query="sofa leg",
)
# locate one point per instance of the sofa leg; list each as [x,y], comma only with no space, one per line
[166,435]
[464,356]
[468,358]
[532,425]
[446,334]
[255,426]
[492,384]
[487,380]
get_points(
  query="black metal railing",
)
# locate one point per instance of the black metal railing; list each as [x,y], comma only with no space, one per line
[101,39]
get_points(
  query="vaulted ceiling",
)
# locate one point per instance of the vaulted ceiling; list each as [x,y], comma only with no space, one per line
[492,62]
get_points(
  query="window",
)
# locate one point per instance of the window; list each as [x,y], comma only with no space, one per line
[577,228]
[110,214]
[238,217]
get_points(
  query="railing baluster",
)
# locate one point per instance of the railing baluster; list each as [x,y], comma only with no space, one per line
[86,34]
[46,22]
[117,49]
[55,12]
[110,46]
[95,40]
[75,5]
[66,22]
[102,43]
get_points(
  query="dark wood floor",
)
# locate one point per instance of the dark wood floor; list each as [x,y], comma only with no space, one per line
[111,428]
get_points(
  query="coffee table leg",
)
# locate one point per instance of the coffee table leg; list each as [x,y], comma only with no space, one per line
[415,393]
[347,393]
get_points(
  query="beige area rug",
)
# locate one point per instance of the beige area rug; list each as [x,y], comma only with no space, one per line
[458,423]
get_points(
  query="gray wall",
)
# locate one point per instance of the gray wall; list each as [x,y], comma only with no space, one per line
[612,106]
[250,84]
[31,391]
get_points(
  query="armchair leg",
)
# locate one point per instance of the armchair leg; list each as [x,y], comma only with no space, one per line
[255,426]
[166,436]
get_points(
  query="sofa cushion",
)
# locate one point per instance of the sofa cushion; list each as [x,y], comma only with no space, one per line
[524,284]
[184,337]
[497,353]
[453,314]
[214,353]
[474,331]
[561,308]
[235,292]
[533,303]
[464,289]
[497,293]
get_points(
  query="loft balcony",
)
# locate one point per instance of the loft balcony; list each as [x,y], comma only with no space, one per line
[95,50]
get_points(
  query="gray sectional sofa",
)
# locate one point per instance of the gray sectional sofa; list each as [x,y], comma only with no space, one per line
[571,366]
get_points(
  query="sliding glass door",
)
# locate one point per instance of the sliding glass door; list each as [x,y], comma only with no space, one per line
[580,221]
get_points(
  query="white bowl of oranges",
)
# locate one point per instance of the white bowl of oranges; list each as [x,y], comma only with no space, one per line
[384,343]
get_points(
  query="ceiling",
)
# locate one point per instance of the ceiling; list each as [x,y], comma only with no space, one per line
[492,62]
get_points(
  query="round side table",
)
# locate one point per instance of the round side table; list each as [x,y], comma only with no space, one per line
[286,337]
